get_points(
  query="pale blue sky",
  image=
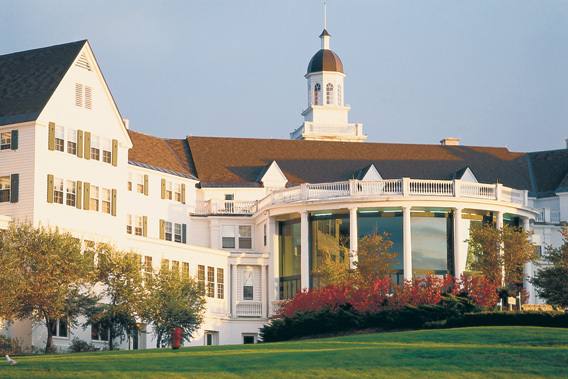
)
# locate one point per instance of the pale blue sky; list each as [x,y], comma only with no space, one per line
[490,72]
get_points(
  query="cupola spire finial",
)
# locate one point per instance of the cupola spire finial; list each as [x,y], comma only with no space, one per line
[325,35]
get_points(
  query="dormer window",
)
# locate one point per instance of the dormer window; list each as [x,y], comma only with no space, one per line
[317,90]
[329,93]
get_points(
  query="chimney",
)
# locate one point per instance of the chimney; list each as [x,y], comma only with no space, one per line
[126,123]
[452,142]
[567,143]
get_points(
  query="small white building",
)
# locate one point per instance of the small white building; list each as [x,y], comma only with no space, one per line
[249,216]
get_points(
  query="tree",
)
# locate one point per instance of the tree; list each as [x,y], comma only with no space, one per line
[174,301]
[552,281]
[500,254]
[43,276]
[374,260]
[120,277]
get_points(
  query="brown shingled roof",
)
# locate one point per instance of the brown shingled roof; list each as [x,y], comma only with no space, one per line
[156,153]
[239,161]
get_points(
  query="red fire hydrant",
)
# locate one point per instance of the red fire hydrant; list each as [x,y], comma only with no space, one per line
[177,335]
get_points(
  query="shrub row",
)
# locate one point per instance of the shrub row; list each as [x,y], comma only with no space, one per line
[331,321]
[553,319]
[452,314]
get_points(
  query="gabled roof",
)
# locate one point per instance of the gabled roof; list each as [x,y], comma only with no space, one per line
[239,161]
[29,78]
[158,154]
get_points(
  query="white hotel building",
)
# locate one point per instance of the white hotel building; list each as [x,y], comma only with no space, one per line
[248,216]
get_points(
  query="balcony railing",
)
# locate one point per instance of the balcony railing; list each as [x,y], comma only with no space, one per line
[249,309]
[546,215]
[356,189]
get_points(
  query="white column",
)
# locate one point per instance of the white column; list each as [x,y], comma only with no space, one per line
[499,225]
[305,248]
[459,263]
[407,243]
[234,290]
[263,287]
[528,267]
[273,262]
[353,237]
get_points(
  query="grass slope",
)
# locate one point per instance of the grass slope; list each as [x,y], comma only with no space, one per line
[495,352]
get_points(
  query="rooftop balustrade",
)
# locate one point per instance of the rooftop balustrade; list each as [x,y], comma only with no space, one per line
[358,189]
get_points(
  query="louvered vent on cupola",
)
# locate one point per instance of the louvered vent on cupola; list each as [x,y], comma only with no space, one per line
[83,62]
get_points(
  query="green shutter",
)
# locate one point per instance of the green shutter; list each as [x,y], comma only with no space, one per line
[114,152]
[79,194]
[113,202]
[14,187]
[162,230]
[183,193]
[80,143]
[183,233]
[50,188]
[146,185]
[87,145]
[145,226]
[14,140]
[86,196]
[51,136]
[163,188]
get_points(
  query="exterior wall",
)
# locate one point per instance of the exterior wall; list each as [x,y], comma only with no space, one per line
[20,161]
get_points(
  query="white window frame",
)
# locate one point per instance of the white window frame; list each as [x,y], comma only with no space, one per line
[58,191]
[5,191]
[95,147]
[106,147]
[5,140]
[71,193]
[59,138]
[72,141]
[94,201]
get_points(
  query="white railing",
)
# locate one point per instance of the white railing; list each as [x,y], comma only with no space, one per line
[249,309]
[215,206]
[404,187]
[546,215]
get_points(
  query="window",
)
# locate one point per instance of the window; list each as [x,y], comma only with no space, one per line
[129,184]
[78,94]
[177,192]
[71,193]
[220,284]
[229,204]
[339,96]
[105,203]
[148,264]
[58,190]
[201,274]
[177,232]
[94,203]
[129,224]
[248,339]
[87,99]
[4,189]
[107,150]
[317,90]
[95,147]
[167,230]
[329,93]
[175,266]
[99,333]
[265,239]
[59,138]
[5,140]
[168,190]
[138,225]
[245,240]
[185,270]
[228,237]
[140,183]
[248,289]
[59,328]
[210,281]
[72,141]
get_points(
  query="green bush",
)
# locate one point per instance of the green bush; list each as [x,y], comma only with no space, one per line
[10,345]
[524,318]
[80,346]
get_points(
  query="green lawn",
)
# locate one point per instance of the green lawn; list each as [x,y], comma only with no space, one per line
[469,352]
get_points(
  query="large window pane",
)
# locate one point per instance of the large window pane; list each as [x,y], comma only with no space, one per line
[289,258]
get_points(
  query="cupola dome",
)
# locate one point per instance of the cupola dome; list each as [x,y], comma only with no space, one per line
[325,59]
